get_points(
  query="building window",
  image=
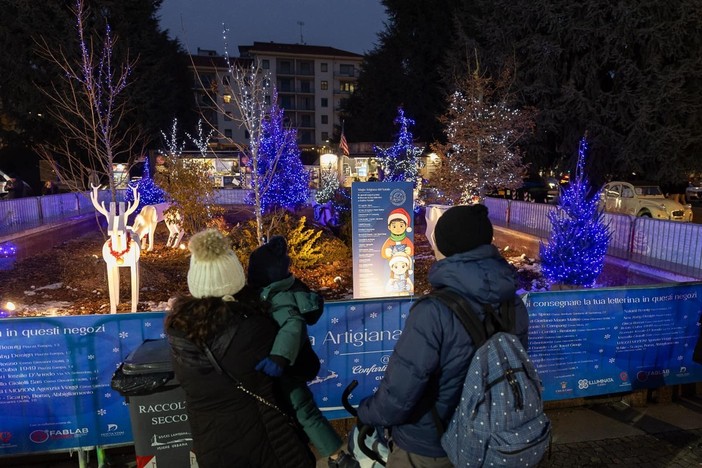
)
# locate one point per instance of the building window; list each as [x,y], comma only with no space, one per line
[325,136]
[348,86]
[325,102]
[225,80]
[228,133]
[246,134]
[324,66]
[267,100]
[346,70]
[265,64]
[324,85]
[228,116]
[227,98]
[325,119]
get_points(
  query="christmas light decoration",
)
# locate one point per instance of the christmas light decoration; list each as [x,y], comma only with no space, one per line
[284,180]
[579,236]
[149,192]
[400,162]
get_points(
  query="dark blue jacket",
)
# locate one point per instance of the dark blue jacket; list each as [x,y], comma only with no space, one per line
[430,360]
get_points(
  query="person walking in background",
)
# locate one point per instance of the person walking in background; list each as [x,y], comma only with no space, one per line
[291,358]
[217,337]
[429,363]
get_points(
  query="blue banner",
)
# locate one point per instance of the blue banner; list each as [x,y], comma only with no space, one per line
[55,375]
[599,341]
[55,372]
[383,239]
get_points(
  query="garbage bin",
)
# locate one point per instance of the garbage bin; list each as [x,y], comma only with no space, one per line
[162,435]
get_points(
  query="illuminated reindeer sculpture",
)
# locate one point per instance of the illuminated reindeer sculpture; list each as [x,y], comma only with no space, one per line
[148,218]
[121,250]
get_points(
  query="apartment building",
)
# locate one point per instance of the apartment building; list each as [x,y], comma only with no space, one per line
[312,83]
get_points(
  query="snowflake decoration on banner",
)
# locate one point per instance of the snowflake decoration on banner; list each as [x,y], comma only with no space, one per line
[91,356]
[147,324]
[162,335]
[356,361]
[404,316]
[389,307]
[335,320]
[601,350]
[375,389]
[607,336]
[352,308]
[336,353]
[680,358]
[101,412]
[611,360]
[321,361]
[597,366]
[325,398]
[108,395]
[373,315]
[115,350]
[338,384]
[123,335]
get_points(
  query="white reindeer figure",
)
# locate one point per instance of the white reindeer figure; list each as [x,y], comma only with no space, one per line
[121,250]
[148,218]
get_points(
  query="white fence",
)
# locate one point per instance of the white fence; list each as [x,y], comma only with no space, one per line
[667,245]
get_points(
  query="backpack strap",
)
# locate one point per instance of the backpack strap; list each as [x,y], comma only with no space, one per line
[478,331]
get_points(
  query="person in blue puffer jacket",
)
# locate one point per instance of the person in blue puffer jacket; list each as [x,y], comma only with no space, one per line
[430,360]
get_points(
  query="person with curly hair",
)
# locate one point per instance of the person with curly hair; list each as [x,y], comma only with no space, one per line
[217,336]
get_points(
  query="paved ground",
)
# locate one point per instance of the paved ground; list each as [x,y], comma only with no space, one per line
[609,434]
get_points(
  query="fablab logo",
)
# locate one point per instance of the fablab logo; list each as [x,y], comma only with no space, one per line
[5,437]
[643,376]
[39,437]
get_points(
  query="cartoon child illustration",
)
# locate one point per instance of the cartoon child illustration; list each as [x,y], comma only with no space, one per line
[398,225]
[400,271]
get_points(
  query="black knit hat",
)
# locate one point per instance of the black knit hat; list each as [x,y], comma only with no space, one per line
[269,263]
[463,228]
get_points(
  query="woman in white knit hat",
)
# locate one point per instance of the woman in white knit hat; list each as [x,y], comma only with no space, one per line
[217,337]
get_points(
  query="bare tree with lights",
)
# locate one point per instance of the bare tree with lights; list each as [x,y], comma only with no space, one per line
[482,132]
[90,106]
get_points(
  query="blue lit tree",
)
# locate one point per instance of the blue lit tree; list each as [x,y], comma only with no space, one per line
[149,192]
[400,162]
[281,179]
[579,237]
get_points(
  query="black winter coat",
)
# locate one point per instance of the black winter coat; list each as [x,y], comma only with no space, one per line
[231,428]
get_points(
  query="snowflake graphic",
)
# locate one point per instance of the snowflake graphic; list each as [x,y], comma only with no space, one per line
[601,350]
[325,398]
[616,328]
[108,395]
[373,315]
[685,316]
[607,336]
[124,403]
[336,353]
[404,316]
[356,361]
[101,412]
[597,366]
[375,389]
[162,335]
[321,361]
[123,335]
[338,384]
[389,307]
[352,308]
[147,324]
[335,320]
[115,350]
[680,358]
[91,356]
[611,360]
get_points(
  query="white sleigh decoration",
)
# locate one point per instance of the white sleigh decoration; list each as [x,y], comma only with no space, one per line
[148,218]
[121,250]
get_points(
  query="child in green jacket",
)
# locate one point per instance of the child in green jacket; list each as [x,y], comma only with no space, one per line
[294,306]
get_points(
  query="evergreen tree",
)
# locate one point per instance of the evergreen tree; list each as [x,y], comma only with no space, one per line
[149,192]
[579,237]
[286,180]
[482,132]
[400,162]
[328,184]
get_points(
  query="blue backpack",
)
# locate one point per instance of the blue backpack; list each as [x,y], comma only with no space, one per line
[499,420]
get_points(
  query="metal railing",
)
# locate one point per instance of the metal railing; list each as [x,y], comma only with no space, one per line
[667,245]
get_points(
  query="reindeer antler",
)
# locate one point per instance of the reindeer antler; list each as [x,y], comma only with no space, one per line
[100,207]
[130,208]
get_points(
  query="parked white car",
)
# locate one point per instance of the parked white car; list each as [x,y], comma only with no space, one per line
[642,199]
[3,181]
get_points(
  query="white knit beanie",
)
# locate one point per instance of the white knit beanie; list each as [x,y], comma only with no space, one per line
[215,270]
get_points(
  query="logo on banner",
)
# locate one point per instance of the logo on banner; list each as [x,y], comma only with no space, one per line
[147,461]
[564,387]
[585,383]
[657,374]
[112,431]
[398,197]
[5,437]
[39,437]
